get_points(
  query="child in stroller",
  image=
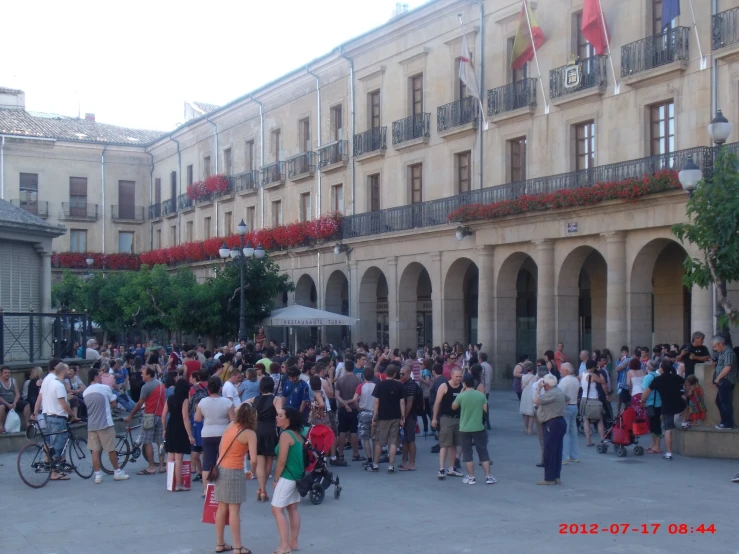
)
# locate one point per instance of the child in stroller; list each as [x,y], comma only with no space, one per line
[317,477]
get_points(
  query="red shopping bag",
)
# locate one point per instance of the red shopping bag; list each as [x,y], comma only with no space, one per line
[640,428]
[210,506]
[186,476]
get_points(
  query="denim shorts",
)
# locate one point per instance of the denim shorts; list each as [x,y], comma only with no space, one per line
[54,425]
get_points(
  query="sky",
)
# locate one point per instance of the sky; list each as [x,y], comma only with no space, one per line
[134,63]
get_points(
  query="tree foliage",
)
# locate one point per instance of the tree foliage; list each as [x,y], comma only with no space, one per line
[154,298]
[713,211]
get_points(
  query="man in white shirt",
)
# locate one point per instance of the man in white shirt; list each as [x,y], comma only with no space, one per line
[570,385]
[584,356]
[91,353]
[231,391]
[487,381]
[54,406]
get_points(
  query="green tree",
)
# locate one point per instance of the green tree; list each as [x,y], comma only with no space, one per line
[713,211]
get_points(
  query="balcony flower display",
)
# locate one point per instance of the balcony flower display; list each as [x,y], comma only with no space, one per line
[78,260]
[197,190]
[217,184]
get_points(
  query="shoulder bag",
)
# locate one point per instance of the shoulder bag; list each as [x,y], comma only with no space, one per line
[150,419]
[591,409]
[213,474]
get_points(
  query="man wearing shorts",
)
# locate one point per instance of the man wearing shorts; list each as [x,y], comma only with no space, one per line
[153,399]
[473,405]
[388,409]
[348,410]
[366,402]
[447,417]
[409,415]
[53,401]
[100,430]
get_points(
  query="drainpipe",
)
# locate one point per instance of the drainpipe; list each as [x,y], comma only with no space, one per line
[102,175]
[151,192]
[482,83]
[351,129]
[318,102]
[261,153]
[179,188]
[714,108]
[216,156]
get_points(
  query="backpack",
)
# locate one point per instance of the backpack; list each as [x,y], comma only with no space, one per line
[200,393]
[418,404]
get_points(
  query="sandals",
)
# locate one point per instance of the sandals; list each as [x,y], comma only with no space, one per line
[262,496]
[180,488]
[224,548]
[358,459]
[145,472]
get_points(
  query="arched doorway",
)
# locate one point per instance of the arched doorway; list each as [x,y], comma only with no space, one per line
[581,300]
[306,294]
[516,294]
[374,321]
[415,324]
[659,303]
[337,301]
[460,302]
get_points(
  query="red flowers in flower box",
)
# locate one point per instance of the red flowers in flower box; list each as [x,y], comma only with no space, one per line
[78,260]
[217,183]
[197,190]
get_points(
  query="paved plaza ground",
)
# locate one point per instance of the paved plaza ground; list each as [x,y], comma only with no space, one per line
[410,513]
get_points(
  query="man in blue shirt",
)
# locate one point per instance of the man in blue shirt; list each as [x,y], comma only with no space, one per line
[295,392]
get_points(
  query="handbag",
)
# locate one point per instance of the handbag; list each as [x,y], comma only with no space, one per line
[213,474]
[592,410]
[150,419]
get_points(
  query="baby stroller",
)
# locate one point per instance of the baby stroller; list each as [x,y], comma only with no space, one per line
[318,478]
[624,432]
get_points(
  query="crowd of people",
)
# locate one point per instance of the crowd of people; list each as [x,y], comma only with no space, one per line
[244,408]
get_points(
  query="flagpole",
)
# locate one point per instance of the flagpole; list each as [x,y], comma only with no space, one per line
[536,58]
[616,86]
[479,100]
[704,61]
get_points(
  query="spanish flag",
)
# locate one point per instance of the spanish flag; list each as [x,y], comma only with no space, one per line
[523,49]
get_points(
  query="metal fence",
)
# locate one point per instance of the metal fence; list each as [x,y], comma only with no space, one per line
[370,141]
[725,29]
[245,181]
[512,97]
[654,51]
[301,164]
[592,74]
[28,337]
[456,114]
[169,207]
[410,128]
[333,153]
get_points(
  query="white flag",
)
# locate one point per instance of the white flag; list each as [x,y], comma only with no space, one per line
[466,71]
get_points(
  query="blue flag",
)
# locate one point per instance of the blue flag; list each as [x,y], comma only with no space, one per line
[670,10]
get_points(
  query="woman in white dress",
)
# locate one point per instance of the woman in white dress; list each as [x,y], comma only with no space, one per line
[526,406]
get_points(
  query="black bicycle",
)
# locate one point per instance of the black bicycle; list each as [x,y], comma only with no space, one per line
[127,450]
[37,460]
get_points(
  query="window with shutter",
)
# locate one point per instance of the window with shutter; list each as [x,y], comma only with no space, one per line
[29,191]
[78,196]
[206,167]
[157,191]
[127,199]
[20,291]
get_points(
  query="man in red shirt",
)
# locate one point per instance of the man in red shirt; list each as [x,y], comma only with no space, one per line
[153,398]
[450,365]
[559,356]
[192,364]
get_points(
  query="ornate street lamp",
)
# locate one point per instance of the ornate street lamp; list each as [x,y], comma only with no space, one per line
[689,176]
[719,129]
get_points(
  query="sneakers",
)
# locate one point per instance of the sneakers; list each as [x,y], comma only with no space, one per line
[373,468]
[441,473]
[722,427]
[490,480]
[390,469]
[469,480]
[735,479]
[118,476]
[452,472]
[570,460]
[367,464]
[98,478]
[546,483]
[667,456]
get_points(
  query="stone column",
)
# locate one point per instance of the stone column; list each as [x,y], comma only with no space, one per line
[701,312]
[616,291]
[46,324]
[45,304]
[437,302]
[545,321]
[353,300]
[485,307]
[392,299]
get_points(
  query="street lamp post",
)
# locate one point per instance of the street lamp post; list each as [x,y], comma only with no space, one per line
[242,254]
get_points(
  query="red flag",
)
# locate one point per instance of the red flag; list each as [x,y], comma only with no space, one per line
[594,27]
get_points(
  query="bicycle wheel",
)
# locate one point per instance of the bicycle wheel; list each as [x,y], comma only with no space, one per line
[33,468]
[80,457]
[122,448]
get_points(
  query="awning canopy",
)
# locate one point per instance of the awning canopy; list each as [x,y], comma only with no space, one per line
[303,316]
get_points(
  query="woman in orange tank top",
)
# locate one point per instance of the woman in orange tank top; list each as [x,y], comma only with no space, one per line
[238,439]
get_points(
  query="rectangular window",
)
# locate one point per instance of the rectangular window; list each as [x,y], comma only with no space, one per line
[173,235]
[189,175]
[125,242]
[462,164]
[206,228]
[585,145]
[373,182]
[416,175]
[29,191]
[305,206]
[157,191]
[206,167]
[517,74]
[227,224]
[517,160]
[304,135]
[127,199]
[188,231]
[373,109]
[77,240]
[158,239]
[227,161]
[251,218]
[276,213]
[337,123]
[173,184]
[274,144]
[662,128]
[416,94]
[78,196]
[249,155]
[584,48]
[337,198]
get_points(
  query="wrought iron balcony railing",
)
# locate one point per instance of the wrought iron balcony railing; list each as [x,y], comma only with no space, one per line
[456,114]
[725,29]
[74,210]
[39,208]
[245,181]
[333,153]
[127,213]
[370,141]
[592,73]
[155,211]
[410,128]
[273,173]
[225,192]
[184,202]
[654,51]
[512,96]
[169,207]
[301,164]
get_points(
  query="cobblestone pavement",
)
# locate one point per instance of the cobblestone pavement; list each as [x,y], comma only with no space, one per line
[405,512]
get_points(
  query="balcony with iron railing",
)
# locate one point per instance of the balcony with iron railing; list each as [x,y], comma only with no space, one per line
[184,202]
[169,207]
[512,100]
[39,208]
[411,130]
[301,166]
[127,213]
[370,143]
[155,211]
[245,182]
[333,156]
[226,192]
[578,81]
[457,117]
[725,29]
[435,212]
[655,56]
[74,211]
[273,174]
